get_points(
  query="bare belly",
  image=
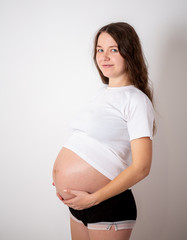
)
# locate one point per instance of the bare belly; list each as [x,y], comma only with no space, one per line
[72,172]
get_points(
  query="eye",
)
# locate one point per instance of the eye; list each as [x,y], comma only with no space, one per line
[114,50]
[99,50]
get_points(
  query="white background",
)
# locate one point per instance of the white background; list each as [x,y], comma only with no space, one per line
[47,73]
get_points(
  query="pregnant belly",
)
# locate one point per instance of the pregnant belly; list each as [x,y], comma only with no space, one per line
[72,172]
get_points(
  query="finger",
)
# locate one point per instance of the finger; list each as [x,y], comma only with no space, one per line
[59,196]
[69,205]
[72,191]
[77,208]
[68,202]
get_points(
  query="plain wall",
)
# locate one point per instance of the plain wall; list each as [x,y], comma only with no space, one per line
[46,75]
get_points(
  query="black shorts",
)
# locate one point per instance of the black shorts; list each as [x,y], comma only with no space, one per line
[119,208]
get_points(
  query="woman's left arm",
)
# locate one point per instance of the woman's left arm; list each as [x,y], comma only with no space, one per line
[141,149]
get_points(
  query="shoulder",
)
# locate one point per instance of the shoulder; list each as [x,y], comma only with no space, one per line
[137,98]
[139,115]
[138,102]
[136,94]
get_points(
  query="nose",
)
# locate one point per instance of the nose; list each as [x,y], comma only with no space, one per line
[106,56]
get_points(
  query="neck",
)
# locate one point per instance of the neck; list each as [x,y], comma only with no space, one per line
[119,82]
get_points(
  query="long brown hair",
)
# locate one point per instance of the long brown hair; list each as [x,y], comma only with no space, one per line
[130,49]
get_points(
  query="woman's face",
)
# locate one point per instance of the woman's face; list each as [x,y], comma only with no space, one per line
[108,58]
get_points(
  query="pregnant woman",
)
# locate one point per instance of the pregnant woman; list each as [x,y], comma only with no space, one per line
[110,147]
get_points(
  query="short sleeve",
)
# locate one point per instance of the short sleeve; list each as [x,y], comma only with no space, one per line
[140,117]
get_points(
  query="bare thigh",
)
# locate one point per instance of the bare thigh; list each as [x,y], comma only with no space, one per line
[78,230]
[110,234]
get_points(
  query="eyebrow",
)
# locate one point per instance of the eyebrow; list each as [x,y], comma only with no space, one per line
[109,46]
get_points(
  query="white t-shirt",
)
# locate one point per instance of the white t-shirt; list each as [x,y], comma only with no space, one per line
[102,131]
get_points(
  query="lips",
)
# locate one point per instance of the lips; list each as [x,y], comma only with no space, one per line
[107,65]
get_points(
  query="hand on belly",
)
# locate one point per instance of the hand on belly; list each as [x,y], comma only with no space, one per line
[64,195]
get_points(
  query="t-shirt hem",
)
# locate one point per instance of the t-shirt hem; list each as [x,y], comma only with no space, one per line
[140,136]
[89,161]
[96,154]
